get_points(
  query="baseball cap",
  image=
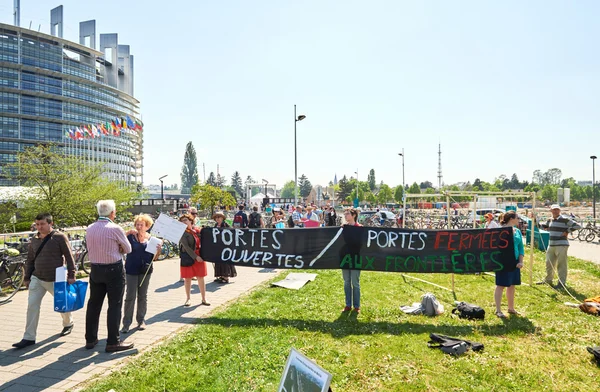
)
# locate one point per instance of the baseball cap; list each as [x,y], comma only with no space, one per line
[555,207]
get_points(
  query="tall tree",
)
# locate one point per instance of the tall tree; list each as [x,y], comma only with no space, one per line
[236,183]
[211,180]
[65,186]
[371,180]
[385,194]
[304,186]
[345,188]
[189,171]
[288,190]
[414,188]
[220,180]
[426,185]
[398,191]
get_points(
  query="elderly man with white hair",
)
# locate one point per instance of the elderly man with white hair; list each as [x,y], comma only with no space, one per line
[106,242]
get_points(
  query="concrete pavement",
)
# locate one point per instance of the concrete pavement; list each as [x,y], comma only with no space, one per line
[57,363]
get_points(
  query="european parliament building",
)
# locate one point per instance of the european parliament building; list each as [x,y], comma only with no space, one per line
[50,86]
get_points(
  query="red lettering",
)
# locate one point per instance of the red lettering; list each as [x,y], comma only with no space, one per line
[503,239]
[438,239]
[493,240]
[477,239]
[464,237]
[485,241]
[451,240]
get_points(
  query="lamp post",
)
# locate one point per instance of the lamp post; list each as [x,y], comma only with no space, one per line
[296,119]
[593,158]
[404,190]
[162,193]
[358,200]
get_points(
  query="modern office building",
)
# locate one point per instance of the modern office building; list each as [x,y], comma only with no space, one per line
[50,86]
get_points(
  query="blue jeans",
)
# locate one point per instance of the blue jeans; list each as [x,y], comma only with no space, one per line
[352,287]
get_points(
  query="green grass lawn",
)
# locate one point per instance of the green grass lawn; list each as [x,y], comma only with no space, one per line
[244,347]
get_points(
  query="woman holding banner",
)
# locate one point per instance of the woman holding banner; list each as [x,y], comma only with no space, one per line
[351,277]
[138,269]
[223,271]
[511,279]
[192,264]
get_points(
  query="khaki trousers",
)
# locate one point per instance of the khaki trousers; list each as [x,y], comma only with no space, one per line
[556,259]
[37,291]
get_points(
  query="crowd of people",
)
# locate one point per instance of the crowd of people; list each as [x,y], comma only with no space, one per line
[125,284]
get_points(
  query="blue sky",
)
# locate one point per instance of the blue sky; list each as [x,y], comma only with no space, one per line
[506,87]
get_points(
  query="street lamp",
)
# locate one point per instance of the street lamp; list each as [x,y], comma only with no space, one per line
[162,193]
[403,190]
[296,119]
[593,158]
[358,200]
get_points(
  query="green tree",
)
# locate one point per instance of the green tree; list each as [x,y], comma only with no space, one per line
[65,186]
[189,171]
[371,180]
[398,191]
[288,190]
[549,192]
[236,183]
[220,181]
[414,189]
[385,194]
[371,198]
[304,186]
[212,180]
[344,188]
[209,197]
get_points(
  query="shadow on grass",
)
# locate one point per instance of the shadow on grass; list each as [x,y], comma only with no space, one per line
[349,323]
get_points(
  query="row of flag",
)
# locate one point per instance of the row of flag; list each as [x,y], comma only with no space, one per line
[109,128]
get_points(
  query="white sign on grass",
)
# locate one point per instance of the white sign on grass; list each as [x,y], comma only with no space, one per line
[168,228]
[302,374]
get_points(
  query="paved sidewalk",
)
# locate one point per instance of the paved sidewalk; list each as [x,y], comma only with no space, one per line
[585,250]
[60,363]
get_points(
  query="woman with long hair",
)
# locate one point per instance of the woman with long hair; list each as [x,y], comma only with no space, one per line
[510,280]
[192,265]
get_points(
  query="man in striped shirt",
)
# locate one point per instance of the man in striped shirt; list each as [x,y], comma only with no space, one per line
[559,227]
[106,242]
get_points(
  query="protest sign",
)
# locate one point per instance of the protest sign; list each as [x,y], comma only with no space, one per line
[302,374]
[168,228]
[363,248]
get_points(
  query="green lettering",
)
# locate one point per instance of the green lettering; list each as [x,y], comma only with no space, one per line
[358,262]
[420,263]
[398,263]
[388,262]
[346,260]
[370,261]
[431,259]
[470,259]
[483,261]
[493,257]
[406,263]
[455,255]
[444,260]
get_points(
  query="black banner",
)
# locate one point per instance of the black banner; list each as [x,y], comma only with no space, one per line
[364,248]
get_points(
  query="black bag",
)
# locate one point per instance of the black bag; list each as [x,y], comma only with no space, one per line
[595,351]
[254,220]
[451,345]
[290,221]
[469,311]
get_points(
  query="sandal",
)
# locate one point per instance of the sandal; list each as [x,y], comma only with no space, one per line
[187,303]
[205,303]
[512,311]
[500,314]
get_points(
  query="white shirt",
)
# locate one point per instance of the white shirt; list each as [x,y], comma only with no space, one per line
[492,225]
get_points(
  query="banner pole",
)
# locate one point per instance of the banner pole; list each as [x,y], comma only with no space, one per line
[475,211]
[449,227]
[425,281]
[531,245]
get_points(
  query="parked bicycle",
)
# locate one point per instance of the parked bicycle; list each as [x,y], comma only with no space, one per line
[12,274]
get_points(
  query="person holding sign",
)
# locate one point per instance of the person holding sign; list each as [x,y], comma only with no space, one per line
[138,269]
[351,277]
[223,271]
[511,279]
[192,264]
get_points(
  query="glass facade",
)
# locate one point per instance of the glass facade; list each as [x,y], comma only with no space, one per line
[49,86]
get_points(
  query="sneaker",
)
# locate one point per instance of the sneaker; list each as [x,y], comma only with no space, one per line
[66,330]
[24,343]
[125,330]
[347,309]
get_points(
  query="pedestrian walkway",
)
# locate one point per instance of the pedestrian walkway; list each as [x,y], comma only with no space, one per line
[58,363]
[585,250]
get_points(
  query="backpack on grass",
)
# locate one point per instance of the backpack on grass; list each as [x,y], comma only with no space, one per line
[469,311]
[452,346]
[595,351]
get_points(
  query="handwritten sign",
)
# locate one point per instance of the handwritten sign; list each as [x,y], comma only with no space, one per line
[168,228]
[302,374]
[363,248]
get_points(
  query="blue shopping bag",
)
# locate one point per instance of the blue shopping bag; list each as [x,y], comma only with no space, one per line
[68,297]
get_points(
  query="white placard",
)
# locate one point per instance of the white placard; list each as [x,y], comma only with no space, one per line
[301,373]
[168,228]
[153,242]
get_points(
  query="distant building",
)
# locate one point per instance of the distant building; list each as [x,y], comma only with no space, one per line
[49,86]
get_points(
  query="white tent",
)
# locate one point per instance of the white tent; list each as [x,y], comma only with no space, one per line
[258,198]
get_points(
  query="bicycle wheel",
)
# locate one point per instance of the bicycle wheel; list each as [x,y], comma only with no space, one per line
[590,237]
[573,235]
[582,234]
[11,279]
[84,262]
[164,251]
